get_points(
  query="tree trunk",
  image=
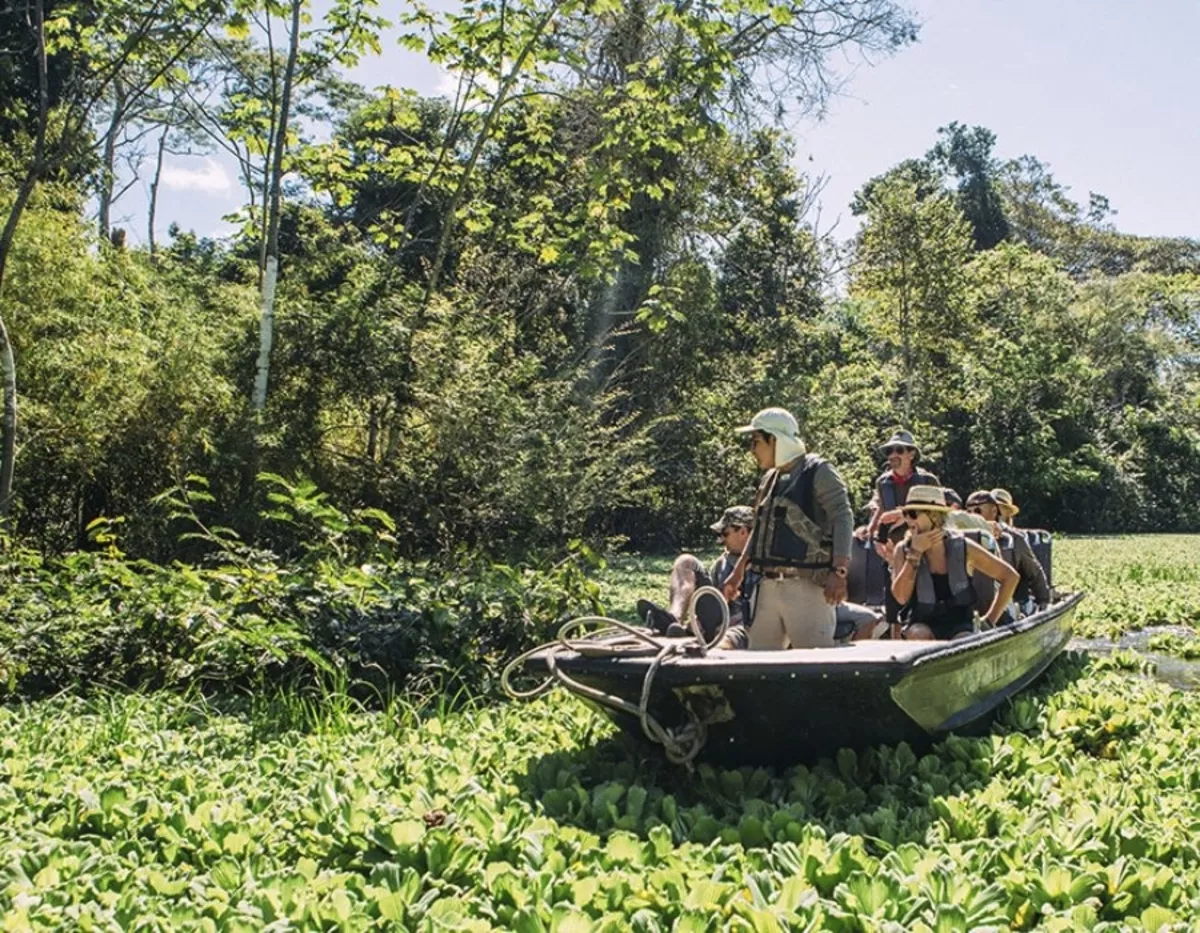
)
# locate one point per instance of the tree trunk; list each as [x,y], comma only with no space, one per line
[108,170]
[8,362]
[271,266]
[153,209]
[906,344]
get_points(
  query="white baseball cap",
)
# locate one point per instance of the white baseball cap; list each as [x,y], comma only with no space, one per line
[777,421]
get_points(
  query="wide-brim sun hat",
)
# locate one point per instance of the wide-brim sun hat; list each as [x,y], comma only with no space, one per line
[901,439]
[926,499]
[1004,499]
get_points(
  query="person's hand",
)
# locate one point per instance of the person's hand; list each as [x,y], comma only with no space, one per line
[860,533]
[884,550]
[891,516]
[924,540]
[733,586]
[835,589]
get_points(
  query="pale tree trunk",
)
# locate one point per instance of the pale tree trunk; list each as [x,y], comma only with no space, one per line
[8,362]
[271,267]
[108,170]
[906,345]
[153,207]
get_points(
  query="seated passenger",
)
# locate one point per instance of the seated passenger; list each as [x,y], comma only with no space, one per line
[958,519]
[894,484]
[688,574]
[931,573]
[884,526]
[1033,586]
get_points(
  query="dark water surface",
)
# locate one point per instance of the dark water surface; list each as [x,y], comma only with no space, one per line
[1178,672]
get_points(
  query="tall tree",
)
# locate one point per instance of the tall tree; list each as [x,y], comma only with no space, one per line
[347,30]
[965,155]
[111,43]
[910,263]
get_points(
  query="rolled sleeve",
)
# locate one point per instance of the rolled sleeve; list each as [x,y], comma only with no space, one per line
[829,489]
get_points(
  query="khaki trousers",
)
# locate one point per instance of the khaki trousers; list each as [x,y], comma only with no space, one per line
[791,610]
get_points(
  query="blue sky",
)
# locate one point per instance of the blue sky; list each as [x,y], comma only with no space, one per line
[1107,93]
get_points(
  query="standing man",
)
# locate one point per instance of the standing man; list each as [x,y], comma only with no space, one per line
[892,486]
[800,541]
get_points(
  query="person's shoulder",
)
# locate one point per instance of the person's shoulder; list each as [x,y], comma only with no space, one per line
[827,469]
[929,476]
[966,521]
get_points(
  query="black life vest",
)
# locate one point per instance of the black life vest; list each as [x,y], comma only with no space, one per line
[925,604]
[888,494]
[778,537]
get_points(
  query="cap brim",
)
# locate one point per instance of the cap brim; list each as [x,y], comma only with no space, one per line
[718,527]
[745,429]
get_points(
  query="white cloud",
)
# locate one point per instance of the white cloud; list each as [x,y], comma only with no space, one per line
[449,85]
[210,178]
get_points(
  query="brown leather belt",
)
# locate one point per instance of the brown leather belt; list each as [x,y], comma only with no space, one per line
[788,573]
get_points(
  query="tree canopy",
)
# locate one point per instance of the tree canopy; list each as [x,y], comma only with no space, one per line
[531,312]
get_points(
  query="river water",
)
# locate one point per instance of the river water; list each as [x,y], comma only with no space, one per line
[1178,672]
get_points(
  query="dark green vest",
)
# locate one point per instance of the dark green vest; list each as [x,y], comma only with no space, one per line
[786,533]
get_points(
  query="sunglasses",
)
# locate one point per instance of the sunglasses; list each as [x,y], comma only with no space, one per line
[888,451]
[975,509]
[913,514]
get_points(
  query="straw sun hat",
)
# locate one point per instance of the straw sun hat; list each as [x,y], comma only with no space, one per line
[1004,499]
[926,499]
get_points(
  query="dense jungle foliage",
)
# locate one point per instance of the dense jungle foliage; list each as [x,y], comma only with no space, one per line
[532,312]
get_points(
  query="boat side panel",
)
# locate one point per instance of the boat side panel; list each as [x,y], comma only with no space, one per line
[945,692]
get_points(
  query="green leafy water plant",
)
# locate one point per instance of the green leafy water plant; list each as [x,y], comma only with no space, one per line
[162,812]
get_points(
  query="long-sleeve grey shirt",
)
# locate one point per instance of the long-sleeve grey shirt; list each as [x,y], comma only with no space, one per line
[1029,567]
[832,503]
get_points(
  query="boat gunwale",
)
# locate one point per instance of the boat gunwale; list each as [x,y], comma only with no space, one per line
[868,656]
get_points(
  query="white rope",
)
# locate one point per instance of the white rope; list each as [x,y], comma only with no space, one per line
[617,639]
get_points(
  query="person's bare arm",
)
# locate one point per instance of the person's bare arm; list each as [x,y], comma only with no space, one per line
[733,586]
[979,558]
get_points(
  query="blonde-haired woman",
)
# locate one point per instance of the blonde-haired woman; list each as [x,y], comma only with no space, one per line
[932,568]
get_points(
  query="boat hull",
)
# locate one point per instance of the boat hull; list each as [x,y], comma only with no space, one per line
[781,707]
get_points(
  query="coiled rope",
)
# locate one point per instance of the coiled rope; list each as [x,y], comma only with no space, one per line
[616,639]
